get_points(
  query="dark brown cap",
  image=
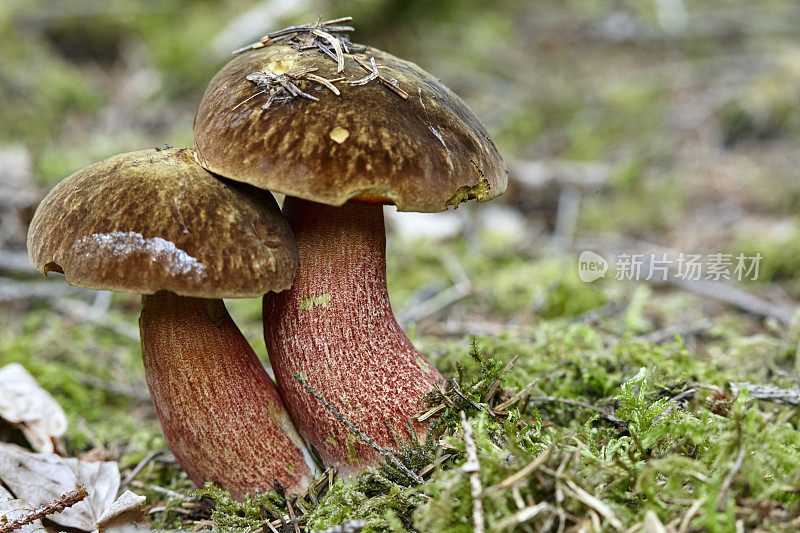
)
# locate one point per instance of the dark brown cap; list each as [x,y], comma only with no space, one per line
[421,153]
[155,219]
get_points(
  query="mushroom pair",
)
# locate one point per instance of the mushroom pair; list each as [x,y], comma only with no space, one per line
[388,133]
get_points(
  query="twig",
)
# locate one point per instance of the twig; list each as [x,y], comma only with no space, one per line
[325,27]
[138,468]
[429,468]
[160,490]
[688,329]
[770,393]
[461,395]
[292,517]
[593,503]
[737,297]
[514,399]
[389,82]
[473,468]
[357,432]
[281,87]
[67,500]
[496,383]
[550,399]
[521,516]
[520,474]
[687,518]
[728,481]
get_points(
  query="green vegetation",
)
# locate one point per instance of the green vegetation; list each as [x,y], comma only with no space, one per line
[630,400]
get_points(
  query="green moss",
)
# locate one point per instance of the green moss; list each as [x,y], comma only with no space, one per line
[471,192]
[250,515]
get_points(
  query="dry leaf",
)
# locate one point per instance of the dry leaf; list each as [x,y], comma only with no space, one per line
[127,509]
[39,479]
[27,406]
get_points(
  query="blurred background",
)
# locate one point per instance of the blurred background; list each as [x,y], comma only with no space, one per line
[630,126]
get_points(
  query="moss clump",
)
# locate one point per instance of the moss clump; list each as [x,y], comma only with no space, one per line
[250,515]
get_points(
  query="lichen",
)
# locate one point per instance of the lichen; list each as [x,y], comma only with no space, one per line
[321,300]
[470,192]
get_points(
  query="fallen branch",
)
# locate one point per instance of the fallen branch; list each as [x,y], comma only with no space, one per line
[738,298]
[473,468]
[67,500]
[770,393]
[667,334]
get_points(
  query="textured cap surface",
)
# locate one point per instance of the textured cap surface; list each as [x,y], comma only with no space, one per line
[369,144]
[155,219]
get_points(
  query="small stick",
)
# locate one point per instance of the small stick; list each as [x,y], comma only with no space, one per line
[262,91]
[327,83]
[473,468]
[368,441]
[472,403]
[429,468]
[138,468]
[430,412]
[337,46]
[160,490]
[517,397]
[67,500]
[522,516]
[292,517]
[723,496]
[373,69]
[496,383]
[593,503]
[520,474]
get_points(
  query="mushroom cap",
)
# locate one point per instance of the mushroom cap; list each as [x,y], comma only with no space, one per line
[155,219]
[422,153]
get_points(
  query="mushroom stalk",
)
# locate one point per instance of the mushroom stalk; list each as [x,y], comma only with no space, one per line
[221,414]
[335,328]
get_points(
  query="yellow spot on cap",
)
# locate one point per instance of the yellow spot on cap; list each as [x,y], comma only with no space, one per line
[281,65]
[339,134]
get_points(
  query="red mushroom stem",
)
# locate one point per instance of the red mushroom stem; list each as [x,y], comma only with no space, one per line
[221,414]
[335,328]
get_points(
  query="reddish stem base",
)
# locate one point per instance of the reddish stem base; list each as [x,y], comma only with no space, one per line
[221,414]
[336,329]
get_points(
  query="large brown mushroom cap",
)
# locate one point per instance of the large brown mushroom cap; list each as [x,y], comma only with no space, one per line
[155,219]
[422,153]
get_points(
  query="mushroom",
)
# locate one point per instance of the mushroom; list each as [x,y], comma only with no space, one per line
[394,135]
[155,222]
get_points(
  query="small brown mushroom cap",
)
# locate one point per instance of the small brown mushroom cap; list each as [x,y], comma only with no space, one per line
[155,219]
[422,153]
